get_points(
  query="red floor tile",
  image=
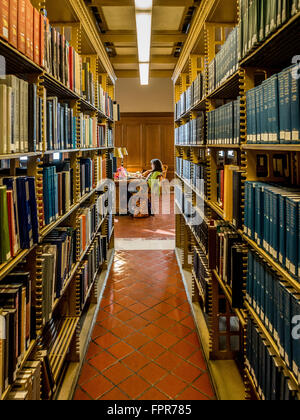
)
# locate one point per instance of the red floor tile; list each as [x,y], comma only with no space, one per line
[120,350]
[134,386]
[107,340]
[144,343]
[203,384]
[80,395]
[152,373]
[114,395]
[153,394]
[192,394]
[152,350]
[171,386]
[135,361]
[103,361]
[118,373]
[137,340]
[97,386]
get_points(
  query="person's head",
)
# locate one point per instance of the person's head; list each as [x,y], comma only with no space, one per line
[156,165]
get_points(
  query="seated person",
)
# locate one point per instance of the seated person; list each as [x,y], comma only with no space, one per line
[153,178]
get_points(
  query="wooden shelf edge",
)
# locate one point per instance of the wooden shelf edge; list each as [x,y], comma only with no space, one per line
[272,147]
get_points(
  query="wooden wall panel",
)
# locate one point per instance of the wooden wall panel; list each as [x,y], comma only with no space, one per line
[146,137]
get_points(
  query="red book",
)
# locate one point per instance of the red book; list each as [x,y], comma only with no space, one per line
[29,30]
[4,19]
[71,68]
[13,23]
[36,36]
[43,22]
[22,26]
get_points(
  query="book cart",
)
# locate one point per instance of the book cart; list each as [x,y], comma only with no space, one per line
[211,297]
[68,333]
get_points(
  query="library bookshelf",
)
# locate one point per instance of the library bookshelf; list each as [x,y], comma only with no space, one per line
[64,338]
[212,296]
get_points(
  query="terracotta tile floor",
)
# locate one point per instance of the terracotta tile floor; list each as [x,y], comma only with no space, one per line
[144,345]
[160,226]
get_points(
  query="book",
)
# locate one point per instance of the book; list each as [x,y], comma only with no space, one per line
[13,23]
[4,19]
[5,253]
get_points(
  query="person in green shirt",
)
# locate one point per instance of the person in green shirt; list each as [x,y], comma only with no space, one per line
[153,178]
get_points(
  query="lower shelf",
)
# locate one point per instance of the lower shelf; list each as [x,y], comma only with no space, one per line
[225,375]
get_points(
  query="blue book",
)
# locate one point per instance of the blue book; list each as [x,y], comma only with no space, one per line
[287,100]
[259,214]
[295,108]
[25,224]
[274,105]
[265,119]
[293,235]
[287,327]
[295,312]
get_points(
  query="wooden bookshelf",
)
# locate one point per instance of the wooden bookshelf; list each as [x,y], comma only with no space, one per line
[268,57]
[64,348]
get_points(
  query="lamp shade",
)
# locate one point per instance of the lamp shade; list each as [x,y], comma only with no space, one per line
[118,153]
[124,151]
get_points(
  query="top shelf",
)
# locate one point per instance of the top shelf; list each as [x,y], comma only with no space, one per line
[278,50]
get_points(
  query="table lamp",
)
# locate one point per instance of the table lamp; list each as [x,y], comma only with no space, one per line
[124,153]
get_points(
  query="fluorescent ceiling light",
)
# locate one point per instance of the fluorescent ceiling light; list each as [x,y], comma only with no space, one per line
[143,4]
[144,73]
[143,27]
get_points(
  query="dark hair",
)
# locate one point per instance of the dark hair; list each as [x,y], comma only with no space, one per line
[158,167]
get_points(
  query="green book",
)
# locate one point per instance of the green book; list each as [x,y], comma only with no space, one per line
[255,27]
[273,15]
[262,20]
[279,13]
[268,17]
[4,229]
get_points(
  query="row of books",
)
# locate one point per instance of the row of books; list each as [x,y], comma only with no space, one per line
[192,96]
[23,27]
[266,368]
[60,58]
[193,173]
[58,194]
[61,125]
[259,19]
[273,109]
[87,175]
[223,126]
[230,256]
[201,272]
[225,64]
[90,218]
[276,306]
[91,265]
[27,386]
[229,183]
[272,221]
[20,116]
[18,216]
[199,226]
[58,258]
[191,133]
[17,325]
